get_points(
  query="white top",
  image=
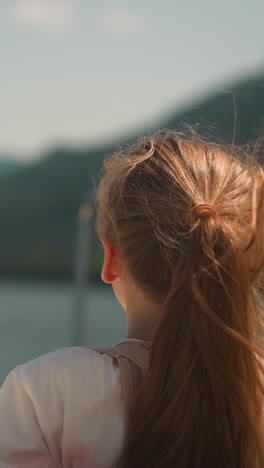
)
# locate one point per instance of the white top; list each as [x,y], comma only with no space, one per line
[59,406]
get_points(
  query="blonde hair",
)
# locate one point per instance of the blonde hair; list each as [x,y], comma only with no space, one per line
[201,401]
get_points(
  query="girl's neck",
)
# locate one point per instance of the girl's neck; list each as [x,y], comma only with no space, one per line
[142,322]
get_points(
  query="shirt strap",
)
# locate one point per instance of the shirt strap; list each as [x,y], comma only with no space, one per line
[133,360]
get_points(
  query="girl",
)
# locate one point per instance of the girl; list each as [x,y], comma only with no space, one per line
[181,224]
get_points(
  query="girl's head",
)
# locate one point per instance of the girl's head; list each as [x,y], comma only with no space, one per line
[184,223]
[148,211]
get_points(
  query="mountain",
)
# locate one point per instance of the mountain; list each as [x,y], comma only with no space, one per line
[39,209]
[9,166]
[39,204]
[233,114]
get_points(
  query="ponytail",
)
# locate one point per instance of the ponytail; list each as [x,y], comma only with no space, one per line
[200,404]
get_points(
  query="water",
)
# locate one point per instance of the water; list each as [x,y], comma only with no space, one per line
[36,318]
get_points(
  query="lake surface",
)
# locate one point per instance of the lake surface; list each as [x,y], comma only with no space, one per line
[36,318]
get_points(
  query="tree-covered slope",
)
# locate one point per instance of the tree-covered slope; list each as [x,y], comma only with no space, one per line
[39,209]
[9,166]
[235,113]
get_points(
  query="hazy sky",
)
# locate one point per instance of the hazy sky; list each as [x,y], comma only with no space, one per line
[80,71]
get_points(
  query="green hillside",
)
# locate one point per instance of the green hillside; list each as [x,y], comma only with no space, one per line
[235,113]
[39,213]
[9,166]
[39,204]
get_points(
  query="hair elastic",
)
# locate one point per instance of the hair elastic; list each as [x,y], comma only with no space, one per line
[201,210]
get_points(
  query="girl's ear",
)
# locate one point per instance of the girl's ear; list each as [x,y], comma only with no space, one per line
[110,269]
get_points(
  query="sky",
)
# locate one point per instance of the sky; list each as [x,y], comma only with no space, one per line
[82,71]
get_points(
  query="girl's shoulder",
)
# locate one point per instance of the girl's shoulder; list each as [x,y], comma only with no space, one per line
[68,398]
[76,363]
[67,366]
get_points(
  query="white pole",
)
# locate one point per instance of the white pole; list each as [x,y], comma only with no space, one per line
[82,270]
